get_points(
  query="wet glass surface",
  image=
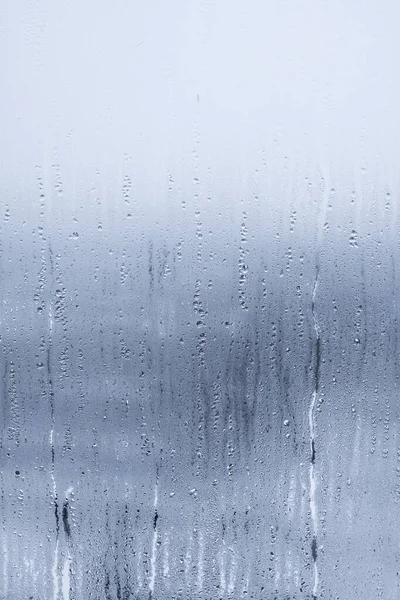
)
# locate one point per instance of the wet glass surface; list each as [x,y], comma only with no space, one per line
[199,301]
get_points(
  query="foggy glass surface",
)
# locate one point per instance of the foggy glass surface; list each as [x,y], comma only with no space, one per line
[199,300]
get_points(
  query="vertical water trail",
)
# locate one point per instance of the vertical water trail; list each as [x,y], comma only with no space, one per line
[166,557]
[153,559]
[200,564]
[232,572]
[55,568]
[54,572]
[222,576]
[66,572]
[188,563]
[315,367]
[311,423]
[66,576]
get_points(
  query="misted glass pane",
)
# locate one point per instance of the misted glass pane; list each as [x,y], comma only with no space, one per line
[199,300]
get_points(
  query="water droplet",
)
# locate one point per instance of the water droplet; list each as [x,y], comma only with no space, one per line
[353,239]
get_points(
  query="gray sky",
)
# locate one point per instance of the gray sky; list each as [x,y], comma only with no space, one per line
[98,80]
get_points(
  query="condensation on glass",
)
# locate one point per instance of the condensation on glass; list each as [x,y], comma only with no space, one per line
[199,301]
